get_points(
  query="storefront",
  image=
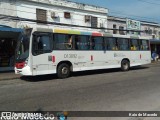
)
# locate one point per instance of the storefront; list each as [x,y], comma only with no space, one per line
[155,46]
[8,42]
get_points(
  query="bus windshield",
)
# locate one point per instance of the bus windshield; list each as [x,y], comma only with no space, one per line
[22,51]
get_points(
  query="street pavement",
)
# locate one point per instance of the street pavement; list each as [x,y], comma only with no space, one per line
[8,75]
[100,90]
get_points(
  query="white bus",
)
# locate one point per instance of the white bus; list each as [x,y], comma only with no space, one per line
[60,51]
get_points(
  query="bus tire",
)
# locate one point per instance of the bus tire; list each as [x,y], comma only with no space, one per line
[63,71]
[125,65]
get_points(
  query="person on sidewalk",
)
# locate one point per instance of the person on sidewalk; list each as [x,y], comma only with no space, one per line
[155,56]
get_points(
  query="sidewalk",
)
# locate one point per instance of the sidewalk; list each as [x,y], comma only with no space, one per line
[8,75]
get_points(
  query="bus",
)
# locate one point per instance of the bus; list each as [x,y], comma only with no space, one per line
[60,51]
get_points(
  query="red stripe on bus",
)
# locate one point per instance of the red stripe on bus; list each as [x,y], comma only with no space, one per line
[140,56]
[96,34]
[91,57]
[53,59]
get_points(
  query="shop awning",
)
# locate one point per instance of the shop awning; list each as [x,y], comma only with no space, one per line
[155,41]
[9,29]
[8,32]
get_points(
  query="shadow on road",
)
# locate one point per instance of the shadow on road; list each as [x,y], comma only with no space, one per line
[76,74]
[139,68]
[94,72]
[39,78]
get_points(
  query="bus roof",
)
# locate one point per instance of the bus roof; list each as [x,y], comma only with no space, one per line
[78,32]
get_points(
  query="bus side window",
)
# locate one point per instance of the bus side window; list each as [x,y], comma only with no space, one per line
[69,43]
[41,44]
[145,45]
[110,43]
[134,44]
[63,41]
[98,43]
[82,43]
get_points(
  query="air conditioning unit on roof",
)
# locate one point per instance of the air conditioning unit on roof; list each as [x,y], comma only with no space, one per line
[101,25]
[87,18]
[54,15]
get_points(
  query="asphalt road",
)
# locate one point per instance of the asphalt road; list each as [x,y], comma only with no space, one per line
[102,90]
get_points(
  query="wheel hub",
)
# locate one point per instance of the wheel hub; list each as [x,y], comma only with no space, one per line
[125,65]
[64,70]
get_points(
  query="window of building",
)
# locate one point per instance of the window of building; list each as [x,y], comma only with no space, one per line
[123,44]
[146,31]
[87,18]
[150,31]
[115,29]
[155,32]
[153,36]
[63,42]
[41,15]
[94,22]
[97,43]
[67,15]
[121,30]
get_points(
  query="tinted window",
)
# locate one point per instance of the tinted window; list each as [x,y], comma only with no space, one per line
[145,45]
[134,44]
[82,42]
[41,44]
[63,42]
[97,43]
[110,43]
[123,44]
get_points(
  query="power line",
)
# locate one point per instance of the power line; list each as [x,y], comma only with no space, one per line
[139,18]
[120,13]
[61,24]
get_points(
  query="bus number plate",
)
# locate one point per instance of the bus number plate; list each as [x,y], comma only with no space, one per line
[70,55]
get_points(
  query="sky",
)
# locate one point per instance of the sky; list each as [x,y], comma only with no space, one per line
[145,10]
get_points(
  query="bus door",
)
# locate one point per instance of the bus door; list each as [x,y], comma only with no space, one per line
[42,47]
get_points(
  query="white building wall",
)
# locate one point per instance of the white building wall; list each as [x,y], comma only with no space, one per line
[7,7]
[155,28]
[27,9]
[117,23]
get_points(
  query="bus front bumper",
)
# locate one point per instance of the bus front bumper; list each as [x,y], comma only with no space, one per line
[24,71]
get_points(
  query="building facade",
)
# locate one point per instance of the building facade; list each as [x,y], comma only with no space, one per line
[56,11]
[60,14]
[142,28]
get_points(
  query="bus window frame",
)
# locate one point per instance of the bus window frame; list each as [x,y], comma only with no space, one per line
[92,46]
[54,41]
[118,45]
[38,34]
[148,44]
[138,43]
[89,41]
[107,44]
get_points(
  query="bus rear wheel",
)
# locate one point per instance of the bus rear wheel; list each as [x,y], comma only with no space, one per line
[63,71]
[125,65]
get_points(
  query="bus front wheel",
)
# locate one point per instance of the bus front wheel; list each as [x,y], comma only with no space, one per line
[63,71]
[125,65]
